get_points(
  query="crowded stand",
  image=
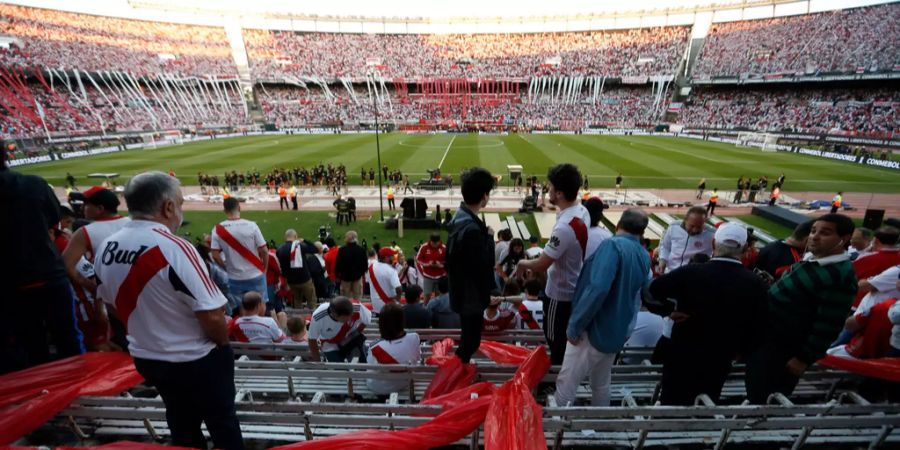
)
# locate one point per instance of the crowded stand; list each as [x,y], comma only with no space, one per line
[70,41]
[871,112]
[618,105]
[842,41]
[98,104]
[278,55]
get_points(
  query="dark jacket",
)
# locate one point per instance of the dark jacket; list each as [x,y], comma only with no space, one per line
[470,263]
[294,276]
[351,263]
[726,303]
[416,316]
[29,209]
[317,274]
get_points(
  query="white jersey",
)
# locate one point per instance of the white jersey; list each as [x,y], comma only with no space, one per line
[596,235]
[405,350]
[537,311]
[97,231]
[567,246]
[86,269]
[885,285]
[157,282]
[677,246]
[331,332]
[247,233]
[388,281]
[256,329]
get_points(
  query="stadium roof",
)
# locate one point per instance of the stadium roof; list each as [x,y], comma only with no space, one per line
[428,16]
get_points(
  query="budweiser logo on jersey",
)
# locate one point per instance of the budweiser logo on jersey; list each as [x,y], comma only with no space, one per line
[112,254]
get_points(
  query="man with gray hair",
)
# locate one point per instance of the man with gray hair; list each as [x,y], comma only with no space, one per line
[604,310]
[718,307]
[156,284]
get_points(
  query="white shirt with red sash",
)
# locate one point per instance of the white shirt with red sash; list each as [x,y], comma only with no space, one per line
[331,332]
[256,329]
[157,281]
[241,263]
[405,350]
[383,285]
[567,246]
[97,231]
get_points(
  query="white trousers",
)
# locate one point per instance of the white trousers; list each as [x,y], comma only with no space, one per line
[584,360]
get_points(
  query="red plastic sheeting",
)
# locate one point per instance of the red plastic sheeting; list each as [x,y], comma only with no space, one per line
[30,397]
[514,421]
[440,352]
[445,429]
[460,396]
[504,353]
[451,375]
[881,368]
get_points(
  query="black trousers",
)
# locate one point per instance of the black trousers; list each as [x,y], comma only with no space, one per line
[195,392]
[283,203]
[710,209]
[767,373]
[391,204]
[33,313]
[687,375]
[470,335]
[294,203]
[556,320]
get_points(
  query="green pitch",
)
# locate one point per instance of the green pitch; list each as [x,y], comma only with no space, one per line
[644,161]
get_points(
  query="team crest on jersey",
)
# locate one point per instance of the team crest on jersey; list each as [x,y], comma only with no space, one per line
[554,241]
[112,254]
[698,244]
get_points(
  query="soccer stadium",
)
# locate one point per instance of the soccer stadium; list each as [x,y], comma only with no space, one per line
[413,225]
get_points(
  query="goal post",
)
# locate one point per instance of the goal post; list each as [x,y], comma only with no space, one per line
[763,141]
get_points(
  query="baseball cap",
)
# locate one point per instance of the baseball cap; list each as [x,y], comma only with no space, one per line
[99,195]
[733,232]
[386,251]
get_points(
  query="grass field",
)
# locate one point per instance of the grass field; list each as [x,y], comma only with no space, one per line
[644,161]
[274,223]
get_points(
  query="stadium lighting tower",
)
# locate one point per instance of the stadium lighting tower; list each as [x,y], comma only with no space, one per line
[378,150]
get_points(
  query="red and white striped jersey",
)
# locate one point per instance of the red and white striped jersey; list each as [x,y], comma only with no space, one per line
[97,231]
[387,281]
[157,281]
[256,329]
[331,332]
[507,317]
[249,237]
[405,350]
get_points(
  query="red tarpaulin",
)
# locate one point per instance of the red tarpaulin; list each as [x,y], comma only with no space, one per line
[30,397]
[881,368]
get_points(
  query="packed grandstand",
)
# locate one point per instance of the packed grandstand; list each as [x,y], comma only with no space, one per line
[67,73]
[691,328]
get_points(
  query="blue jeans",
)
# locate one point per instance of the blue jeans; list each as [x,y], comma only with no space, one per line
[237,289]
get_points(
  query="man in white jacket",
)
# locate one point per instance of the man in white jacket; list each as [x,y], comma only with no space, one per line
[684,240]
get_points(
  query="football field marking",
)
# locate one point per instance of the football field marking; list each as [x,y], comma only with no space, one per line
[446,151]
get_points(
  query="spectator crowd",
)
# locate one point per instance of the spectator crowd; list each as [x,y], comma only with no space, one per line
[867,112]
[841,41]
[640,52]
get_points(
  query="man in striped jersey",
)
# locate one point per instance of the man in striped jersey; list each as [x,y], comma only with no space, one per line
[157,285]
[807,309]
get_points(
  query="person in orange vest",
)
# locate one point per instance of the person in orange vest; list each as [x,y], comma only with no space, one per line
[390,198]
[282,196]
[225,194]
[836,202]
[713,201]
[585,194]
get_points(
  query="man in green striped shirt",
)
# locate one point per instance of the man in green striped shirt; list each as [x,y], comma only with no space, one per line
[807,309]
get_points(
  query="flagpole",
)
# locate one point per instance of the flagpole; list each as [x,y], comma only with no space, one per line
[378,150]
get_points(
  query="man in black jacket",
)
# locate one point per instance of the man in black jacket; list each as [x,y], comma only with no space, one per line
[350,266]
[292,258]
[470,260]
[37,295]
[718,308]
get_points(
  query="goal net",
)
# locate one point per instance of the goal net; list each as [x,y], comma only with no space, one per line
[153,140]
[763,141]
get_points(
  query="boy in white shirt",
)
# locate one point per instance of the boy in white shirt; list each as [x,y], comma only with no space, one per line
[396,346]
[339,326]
[253,325]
